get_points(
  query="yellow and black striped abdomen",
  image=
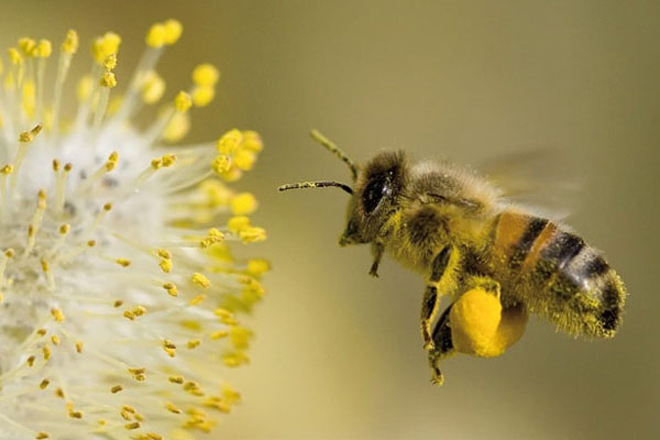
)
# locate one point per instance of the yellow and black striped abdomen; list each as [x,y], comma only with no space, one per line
[556,274]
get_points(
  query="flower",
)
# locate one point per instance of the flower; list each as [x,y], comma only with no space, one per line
[121,298]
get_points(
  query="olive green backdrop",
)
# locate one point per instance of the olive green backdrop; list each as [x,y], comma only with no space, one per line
[338,354]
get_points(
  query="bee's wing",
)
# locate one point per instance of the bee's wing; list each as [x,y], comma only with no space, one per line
[545,181]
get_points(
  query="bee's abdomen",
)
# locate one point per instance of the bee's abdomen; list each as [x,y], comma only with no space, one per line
[557,275]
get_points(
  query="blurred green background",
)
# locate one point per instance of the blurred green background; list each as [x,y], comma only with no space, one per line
[338,354]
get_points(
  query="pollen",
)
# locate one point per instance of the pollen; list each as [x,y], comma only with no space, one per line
[125,268]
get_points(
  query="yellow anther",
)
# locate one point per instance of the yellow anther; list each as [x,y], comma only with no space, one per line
[205,75]
[243,204]
[46,352]
[128,314]
[41,435]
[252,234]
[176,379]
[56,165]
[238,223]
[169,344]
[156,163]
[64,229]
[173,31]
[44,49]
[128,408]
[193,343]
[107,207]
[244,159]
[221,164]
[76,414]
[164,253]
[108,80]
[230,395]
[168,160]
[219,334]
[104,46]
[44,384]
[171,289]
[14,56]
[110,62]
[70,43]
[29,97]
[117,303]
[178,127]
[171,408]
[230,141]
[28,136]
[132,425]
[7,169]
[85,88]
[165,265]
[30,360]
[182,102]
[59,393]
[203,95]
[214,236]
[116,389]
[252,141]
[42,332]
[258,266]
[153,88]
[197,300]
[156,35]
[28,46]
[200,280]
[57,315]
[111,163]
[240,337]
[68,167]
[235,359]
[123,262]
[139,310]
[79,347]
[55,340]
[153,436]
[91,243]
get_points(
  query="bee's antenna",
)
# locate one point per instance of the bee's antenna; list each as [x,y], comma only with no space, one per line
[334,149]
[320,184]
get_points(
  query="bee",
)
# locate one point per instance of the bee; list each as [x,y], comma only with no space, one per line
[454,227]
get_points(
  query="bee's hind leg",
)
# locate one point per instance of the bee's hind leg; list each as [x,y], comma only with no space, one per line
[443,346]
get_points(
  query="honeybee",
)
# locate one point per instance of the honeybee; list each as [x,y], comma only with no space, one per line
[454,228]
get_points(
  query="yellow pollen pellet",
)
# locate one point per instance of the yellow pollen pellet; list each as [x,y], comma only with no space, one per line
[171,408]
[70,44]
[182,102]
[123,262]
[133,425]
[116,389]
[55,340]
[30,360]
[205,75]
[44,384]
[243,204]
[201,280]
[176,379]
[79,347]
[57,314]
[197,300]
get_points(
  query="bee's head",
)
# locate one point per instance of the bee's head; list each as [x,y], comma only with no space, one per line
[376,187]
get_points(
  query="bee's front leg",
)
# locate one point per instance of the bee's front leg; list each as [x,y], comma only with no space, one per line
[377,250]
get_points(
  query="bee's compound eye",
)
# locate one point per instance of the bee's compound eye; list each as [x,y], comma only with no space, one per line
[373,193]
